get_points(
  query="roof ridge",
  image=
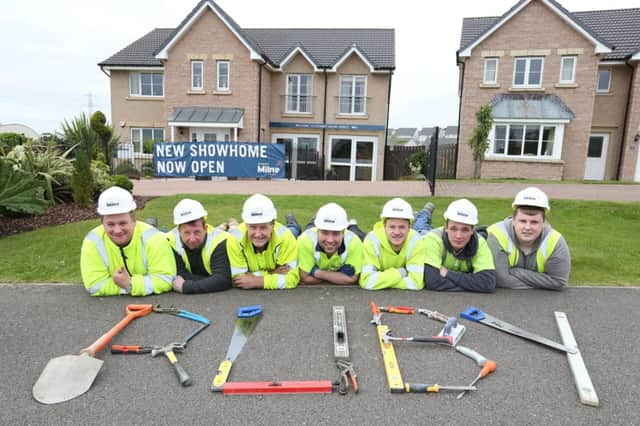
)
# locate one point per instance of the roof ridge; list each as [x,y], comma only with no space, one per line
[606,10]
[319,28]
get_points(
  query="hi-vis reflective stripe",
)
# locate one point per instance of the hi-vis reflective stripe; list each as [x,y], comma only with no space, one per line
[368,268]
[412,244]
[282,282]
[178,240]
[238,271]
[376,243]
[96,288]
[415,268]
[165,278]
[371,282]
[102,250]
[148,285]
[236,233]
[293,264]
[281,230]
[411,285]
[212,236]
[347,239]
[501,226]
[145,237]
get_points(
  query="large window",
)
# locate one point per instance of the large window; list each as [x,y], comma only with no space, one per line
[529,140]
[604,80]
[490,71]
[223,76]
[197,75]
[527,72]
[353,157]
[353,94]
[568,69]
[141,135]
[146,84]
[298,98]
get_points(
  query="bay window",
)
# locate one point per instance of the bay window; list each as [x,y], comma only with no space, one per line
[526,140]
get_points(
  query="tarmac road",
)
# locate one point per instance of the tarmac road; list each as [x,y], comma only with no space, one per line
[532,384]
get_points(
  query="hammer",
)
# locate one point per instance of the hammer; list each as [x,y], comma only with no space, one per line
[168,351]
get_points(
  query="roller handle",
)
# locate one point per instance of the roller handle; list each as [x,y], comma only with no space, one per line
[479,359]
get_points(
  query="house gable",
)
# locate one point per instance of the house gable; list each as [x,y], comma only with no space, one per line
[600,46]
[353,51]
[194,16]
[297,53]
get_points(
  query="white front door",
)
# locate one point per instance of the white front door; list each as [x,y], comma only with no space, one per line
[209,134]
[596,156]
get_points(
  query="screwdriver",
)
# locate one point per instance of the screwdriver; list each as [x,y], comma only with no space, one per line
[424,388]
[488,368]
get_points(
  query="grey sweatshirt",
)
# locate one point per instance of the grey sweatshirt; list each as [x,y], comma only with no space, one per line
[524,274]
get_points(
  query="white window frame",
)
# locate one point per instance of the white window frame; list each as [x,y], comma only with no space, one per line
[608,89]
[299,95]
[193,75]
[220,88]
[140,131]
[354,79]
[574,60]
[528,60]
[485,80]
[135,79]
[557,141]
[352,163]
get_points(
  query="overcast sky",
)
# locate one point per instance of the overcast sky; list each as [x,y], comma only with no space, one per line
[50,49]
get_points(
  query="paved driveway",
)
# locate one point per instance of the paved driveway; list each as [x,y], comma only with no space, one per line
[532,385]
[451,188]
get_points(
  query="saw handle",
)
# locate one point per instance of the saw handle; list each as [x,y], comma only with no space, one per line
[249,311]
[129,349]
[221,377]
[133,312]
[473,314]
[434,339]
[406,310]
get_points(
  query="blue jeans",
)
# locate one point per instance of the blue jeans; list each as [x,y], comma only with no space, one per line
[294,229]
[422,222]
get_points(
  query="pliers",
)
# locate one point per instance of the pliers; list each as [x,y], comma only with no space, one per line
[346,372]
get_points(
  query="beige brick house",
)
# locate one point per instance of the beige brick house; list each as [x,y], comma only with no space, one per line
[564,88]
[324,93]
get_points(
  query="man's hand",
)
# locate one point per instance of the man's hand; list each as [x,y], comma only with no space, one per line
[122,279]
[177,284]
[443,271]
[248,281]
[280,270]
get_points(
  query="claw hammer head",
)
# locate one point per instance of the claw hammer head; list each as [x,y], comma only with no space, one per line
[171,347]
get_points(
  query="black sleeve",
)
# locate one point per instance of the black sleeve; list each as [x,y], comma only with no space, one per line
[479,282]
[434,281]
[220,278]
[182,268]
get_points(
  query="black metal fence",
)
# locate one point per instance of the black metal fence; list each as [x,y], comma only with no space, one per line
[132,164]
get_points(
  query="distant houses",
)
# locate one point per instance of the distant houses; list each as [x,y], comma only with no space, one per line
[413,136]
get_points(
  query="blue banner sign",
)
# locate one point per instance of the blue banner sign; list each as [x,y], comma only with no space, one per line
[231,159]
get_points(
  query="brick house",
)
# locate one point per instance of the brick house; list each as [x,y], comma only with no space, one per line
[324,93]
[564,88]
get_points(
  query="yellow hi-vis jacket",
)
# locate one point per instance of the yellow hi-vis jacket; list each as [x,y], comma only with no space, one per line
[281,250]
[381,266]
[215,236]
[310,254]
[543,253]
[149,260]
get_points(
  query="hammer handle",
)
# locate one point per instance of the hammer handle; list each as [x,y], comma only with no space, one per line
[183,376]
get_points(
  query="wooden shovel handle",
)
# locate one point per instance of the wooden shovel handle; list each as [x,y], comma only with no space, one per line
[133,312]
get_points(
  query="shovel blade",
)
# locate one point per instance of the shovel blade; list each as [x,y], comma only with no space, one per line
[66,377]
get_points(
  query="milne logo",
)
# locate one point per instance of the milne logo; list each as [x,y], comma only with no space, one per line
[463,214]
[112,203]
[188,212]
[268,169]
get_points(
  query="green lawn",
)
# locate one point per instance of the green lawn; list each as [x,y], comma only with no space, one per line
[602,236]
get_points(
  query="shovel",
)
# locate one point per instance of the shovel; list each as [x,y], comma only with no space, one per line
[69,376]
[248,318]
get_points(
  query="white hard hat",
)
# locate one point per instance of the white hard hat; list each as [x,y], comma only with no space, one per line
[331,217]
[462,211]
[533,197]
[258,209]
[115,200]
[397,208]
[187,210]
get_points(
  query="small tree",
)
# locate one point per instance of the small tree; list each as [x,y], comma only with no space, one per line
[80,133]
[479,140]
[104,132]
